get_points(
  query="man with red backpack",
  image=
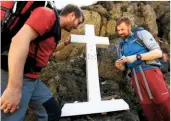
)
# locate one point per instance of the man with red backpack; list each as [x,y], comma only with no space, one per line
[140,52]
[30,48]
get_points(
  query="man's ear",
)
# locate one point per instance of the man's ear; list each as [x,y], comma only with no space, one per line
[72,15]
[129,27]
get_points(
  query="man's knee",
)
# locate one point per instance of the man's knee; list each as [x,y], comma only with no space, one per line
[53,109]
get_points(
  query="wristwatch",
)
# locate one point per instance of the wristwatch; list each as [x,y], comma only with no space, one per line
[138,56]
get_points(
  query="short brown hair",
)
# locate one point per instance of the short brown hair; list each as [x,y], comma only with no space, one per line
[123,20]
[72,8]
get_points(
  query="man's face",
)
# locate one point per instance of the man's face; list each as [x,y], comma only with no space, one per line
[124,30]
[73,22]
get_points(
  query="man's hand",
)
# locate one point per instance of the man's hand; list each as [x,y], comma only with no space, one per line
[120,65]
[129,59]
[62,45]
[10,99]
[68,41]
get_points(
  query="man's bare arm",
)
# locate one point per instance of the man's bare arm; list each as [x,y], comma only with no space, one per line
[18,52]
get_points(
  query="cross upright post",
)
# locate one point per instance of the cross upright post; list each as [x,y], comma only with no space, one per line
[94,104]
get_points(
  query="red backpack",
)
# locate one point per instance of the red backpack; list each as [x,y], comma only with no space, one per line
[13,17]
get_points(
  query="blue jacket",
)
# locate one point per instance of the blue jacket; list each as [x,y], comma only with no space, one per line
[132,47]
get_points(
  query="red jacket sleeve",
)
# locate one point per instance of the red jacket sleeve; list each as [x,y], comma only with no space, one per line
[42,19]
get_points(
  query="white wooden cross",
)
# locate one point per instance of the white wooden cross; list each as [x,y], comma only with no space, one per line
[94,104]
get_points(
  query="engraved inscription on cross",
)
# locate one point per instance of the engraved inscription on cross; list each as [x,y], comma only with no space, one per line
[94,104]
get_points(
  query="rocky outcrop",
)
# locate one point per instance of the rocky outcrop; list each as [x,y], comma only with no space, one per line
[110,29]
[162,10]
[150,19]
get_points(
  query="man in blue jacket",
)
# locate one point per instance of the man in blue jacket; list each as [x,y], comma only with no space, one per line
[147,79]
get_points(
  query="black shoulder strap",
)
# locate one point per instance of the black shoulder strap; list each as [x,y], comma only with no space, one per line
[138,39]
[55,31]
